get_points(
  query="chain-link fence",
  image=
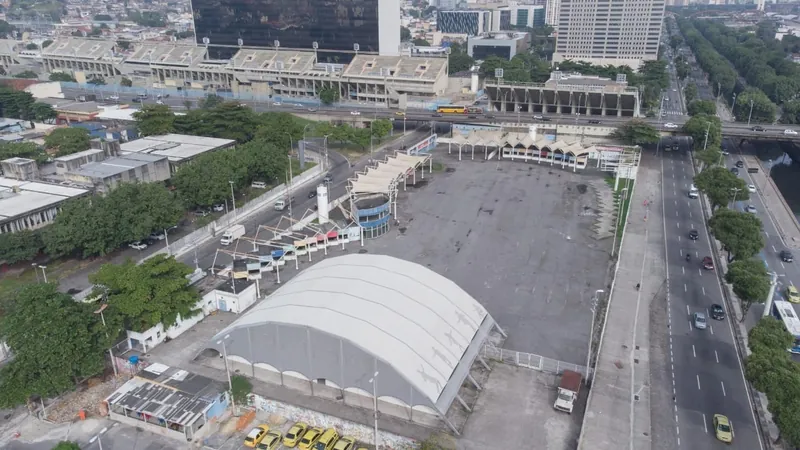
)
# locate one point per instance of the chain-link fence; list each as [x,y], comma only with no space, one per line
[531,361]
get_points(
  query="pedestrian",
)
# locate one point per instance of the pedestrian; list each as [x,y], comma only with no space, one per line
[638,285]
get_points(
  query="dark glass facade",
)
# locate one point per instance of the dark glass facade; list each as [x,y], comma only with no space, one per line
[334,24]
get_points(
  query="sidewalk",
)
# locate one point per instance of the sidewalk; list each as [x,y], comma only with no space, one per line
[618,411]
[723,112]
[777,208]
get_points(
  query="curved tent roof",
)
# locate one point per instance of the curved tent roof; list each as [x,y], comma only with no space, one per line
[344,318]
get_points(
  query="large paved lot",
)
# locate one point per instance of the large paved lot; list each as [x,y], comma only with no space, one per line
[515,236]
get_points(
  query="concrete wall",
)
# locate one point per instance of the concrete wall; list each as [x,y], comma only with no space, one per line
[235,303]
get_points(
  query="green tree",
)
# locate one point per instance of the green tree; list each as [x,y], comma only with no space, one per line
[260,161]
[381,128]
[20,246]
[750,282]
[636,132]
[763,110]
[277,128]
[56,342]
[155,291]
[226,121]
[421,43]
[15,104]
[43,112]
[126,82]
[708,107]
[739,233]
[154,120]
[150,19]
[709,157]
[405,34]
[31,46]
[206,182]
[103,18]
[675,42]
[329,95]
[459,62]
[27,74]
[66,141]
[769,334]
[722,187]
[124,45]
[96,80]
[67,445]
[47,43]
[697,127]
[690,92]
[240,389]
[210,101]
[23,150]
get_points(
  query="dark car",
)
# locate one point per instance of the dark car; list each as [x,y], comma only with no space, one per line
[757,128]
[490,116]
[438,114]
[694,235]
[594,121]
[739,164]
[734,171]
[717,312]
[545,119]
[708,263]
[786,256]
[312,193]
[328,178]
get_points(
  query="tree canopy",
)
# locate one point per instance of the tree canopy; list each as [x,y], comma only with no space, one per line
[67,445]
[56,342]
[61,76]
[700,124]
[329,96]
[23,150]
[15,104]
[739,232]
[707,107]
[636,132]
[66,141]
[750,282]
[155,291]
[154,120]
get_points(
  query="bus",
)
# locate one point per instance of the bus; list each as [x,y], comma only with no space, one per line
[785,312]
[459,109]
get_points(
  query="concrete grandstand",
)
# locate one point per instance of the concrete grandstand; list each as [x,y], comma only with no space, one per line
[347,321]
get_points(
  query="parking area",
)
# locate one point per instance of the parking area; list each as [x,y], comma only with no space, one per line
[36,435]
[515,410]
[515,236]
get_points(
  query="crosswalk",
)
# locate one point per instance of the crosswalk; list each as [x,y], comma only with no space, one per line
[672,112]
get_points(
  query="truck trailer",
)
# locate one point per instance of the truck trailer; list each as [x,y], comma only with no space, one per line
[231,234]
[568,391]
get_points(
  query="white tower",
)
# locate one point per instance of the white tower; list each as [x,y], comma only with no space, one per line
[322,203]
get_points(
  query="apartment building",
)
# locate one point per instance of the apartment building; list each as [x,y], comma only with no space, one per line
[617,32]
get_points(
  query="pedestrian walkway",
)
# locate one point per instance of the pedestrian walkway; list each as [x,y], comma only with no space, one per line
[723,112]
[778,210]
[618,407]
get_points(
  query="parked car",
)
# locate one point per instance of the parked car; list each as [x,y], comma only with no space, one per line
[345,443]
[792,132]
[310,438]
[751,209]
[717,312]
[258,185]
[255,436]
[293,436]
[734,171]
[312,193]
[137,245]
[751,188]
[739,164]
[594,121]
[786,256]
[200,212]
[708,263]
[271,441]
[699,320]
[537,117]
[218,207]
[157,236]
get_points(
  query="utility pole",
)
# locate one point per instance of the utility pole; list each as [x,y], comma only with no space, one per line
[749,116]
[705,142]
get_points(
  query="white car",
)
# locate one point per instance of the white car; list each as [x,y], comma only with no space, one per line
[751,188]
[670,125]
[157,236]
[355,113]
[538,117]
[218,207]
[751,209]
[138,245]
[113,97]
[792,132]
[276,103]
[159,102]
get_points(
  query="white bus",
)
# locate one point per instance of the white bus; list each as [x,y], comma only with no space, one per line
[784,311]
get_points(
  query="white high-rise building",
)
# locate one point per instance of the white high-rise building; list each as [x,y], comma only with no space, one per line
[551,12]
[617,32]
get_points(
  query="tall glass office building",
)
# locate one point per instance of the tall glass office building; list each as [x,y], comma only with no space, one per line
[334,24]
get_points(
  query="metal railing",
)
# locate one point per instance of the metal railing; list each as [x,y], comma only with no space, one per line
[531,361]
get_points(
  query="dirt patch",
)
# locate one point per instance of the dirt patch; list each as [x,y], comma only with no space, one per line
[89,398]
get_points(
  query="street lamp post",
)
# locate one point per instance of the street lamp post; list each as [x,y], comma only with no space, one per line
[593,309]
[374,382]
[36,270]
[623,195]
[44,272]
[735,191]
[733,107]
[233,199]
[103,319]
[750,116]
[705,142]
[227,369]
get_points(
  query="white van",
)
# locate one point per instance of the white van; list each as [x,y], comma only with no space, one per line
[280,205]
[694,192]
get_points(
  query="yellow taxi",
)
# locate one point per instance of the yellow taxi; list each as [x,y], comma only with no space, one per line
[271,441]
[723,428]
[400,113]
[255,436]
[294,434]
[345,443]
[792,294]
[310,438]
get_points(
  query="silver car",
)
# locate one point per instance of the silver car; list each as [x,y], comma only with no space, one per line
[699,321]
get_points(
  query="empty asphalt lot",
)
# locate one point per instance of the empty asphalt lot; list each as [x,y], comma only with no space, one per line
[518,238]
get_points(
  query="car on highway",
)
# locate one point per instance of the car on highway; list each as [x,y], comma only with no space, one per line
[276,103]
[310,438]
[723,430]
[670,125]
[137,245]
[312,109]
[734,171]
[699,320]
[159,102]
[255,436]
[293,436]
[113,97]
[708,263]
[739,164]
[751,188]
[312,193]
[786,256]
[271,441]
[328,178]
[751,209]
[758,128]
[594,121]
[545,119]
[694,235]
[537,117]
[400,113]
[792,132]
[717,312]
[355,113]
[219,207]
[490,116]
[438,114]
[792,294]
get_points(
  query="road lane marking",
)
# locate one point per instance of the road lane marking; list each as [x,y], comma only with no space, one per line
[774,249]
[676,203]
[685,288]
[698,382]
[687,308]
[693,351]
[705,425]
[690,325]
[704,291]
[679,238]
[716,356]
[711,327]
[683,269]
[766,234]
[782,264]
[723,388]
[676,214]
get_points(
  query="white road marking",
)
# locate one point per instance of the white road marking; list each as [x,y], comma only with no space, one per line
[716,356]
[766,233]
[723,388]
[676,214]
[782,264]
[704,291]
[690,214]
[698,382]
[690,325]
[711,327]
[705,425]
[700,272]
[684,287]
[694,353]
[774,249]
[676,203]
[679,238]
[687,308]
[683,269]
[678,224]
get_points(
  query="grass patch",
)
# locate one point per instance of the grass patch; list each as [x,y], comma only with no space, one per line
[437,167]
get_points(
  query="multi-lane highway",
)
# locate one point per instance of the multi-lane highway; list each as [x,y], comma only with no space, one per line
[707,376]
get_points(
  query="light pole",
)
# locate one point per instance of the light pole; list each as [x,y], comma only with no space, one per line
[749,116]
[233,199]
[705,141]
[733,107]
[619,218]
[227,370]
[735,191]
[374,381]
[44,273]
[593,309]
[578,108]
[103,319]
[34,265]
[289,181]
